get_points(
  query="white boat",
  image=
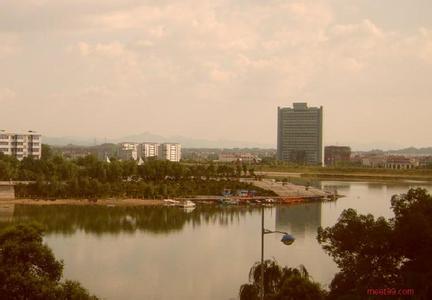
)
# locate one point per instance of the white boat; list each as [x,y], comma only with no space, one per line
[187,204]
[171,202]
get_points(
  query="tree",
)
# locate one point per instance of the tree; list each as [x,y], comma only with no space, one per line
[383,253]
[412,230]
[280,283]
[29,270]
[362,249]
[47,152]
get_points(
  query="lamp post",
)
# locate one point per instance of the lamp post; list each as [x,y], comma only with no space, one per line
[287,239]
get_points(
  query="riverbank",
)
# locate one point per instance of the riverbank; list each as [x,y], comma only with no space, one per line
[102,202]
[209,200]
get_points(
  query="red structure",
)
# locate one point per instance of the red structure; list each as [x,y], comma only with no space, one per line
[336,154]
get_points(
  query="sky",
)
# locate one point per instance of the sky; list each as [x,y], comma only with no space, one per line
[218,69]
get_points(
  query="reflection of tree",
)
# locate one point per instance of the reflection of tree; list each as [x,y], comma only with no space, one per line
[103,219]
[280,283]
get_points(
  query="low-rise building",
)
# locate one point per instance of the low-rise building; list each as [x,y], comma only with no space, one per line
[21,145]
[238,157]
[425,161]
[128,151]
[336,154]
[400,163]
[374,161]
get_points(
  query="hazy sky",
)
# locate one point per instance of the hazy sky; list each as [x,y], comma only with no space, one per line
[217,69]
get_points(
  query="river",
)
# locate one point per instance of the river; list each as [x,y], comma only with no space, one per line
[168,253]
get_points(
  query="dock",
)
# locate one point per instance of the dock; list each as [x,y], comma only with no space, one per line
[288,189]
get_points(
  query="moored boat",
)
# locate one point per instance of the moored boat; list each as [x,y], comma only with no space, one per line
[171,202]
[187,204]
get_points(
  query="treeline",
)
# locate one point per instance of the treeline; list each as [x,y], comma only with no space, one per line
[58,168]
[88,177]
[89,188]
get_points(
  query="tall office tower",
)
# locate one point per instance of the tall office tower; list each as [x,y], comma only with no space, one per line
[147,150]
[299,138]
[21,145]
[170,151]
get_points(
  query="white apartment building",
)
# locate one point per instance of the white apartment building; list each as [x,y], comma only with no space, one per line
[21,145]
[147,150]
[170,151]
[128,151]
[136,151]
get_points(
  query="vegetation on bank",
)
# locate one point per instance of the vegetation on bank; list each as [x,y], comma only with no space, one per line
[29,270]
[55,177]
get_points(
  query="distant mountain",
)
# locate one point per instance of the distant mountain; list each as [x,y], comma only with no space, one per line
[412,151]
[149,137]
[192,142]
[68,140]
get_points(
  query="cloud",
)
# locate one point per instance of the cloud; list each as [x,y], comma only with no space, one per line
[203,61]
[108,50]
[9,44]
[425,39]
[6,95]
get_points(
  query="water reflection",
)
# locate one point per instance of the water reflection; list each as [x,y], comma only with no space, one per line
[102,219]
[299,220]
[6,212]
[168,253]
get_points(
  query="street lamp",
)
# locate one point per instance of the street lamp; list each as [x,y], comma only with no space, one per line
[287,239]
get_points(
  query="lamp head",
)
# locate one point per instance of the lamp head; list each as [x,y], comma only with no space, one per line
[287,239]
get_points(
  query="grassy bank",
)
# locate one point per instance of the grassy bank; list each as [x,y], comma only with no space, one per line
[346,173]
[360,176]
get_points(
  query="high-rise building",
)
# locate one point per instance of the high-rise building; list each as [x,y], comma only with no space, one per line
[170,151]
[299,138]
[21,145]
[147,150]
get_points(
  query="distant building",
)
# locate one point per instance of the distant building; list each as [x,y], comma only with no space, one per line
[21,145]
[374,161]
[299,136]
[74,152]
[425,161]
[128,151]
[400,163]
[142,151]
[336,154]
[147,150]
[238,157]
[170,151]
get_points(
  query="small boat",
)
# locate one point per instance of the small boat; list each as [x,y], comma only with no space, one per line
[187,204]
[228,201]
[171,202]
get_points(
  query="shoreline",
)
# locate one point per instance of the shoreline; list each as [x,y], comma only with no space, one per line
[84,202]
[131,202]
